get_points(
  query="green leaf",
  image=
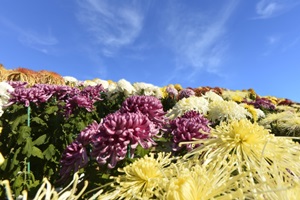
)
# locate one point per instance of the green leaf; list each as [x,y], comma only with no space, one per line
[40,140]
[49,152]
[24,132]
[39,121]
[51,109]
[37,152]
[14,160]
[28,147]
[19,120]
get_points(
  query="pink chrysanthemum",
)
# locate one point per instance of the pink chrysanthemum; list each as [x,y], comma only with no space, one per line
[147,105]
[73,158]
[190,126]
[86,135]
[185,93]
[117,132]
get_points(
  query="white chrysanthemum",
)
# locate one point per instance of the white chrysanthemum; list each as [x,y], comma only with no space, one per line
[212,96]
[104,83]
[199,104]
[147,89]
[89,83]
[125,87]
[70,79]
[237,95]
[5,90]
[226,110]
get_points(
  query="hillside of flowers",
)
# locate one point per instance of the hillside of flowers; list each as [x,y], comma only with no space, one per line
[61,138]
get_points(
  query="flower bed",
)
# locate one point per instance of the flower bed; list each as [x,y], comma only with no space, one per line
[140,141]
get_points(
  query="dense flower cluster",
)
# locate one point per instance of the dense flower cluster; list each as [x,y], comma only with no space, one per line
[188,127]
[147,105]
[163,143]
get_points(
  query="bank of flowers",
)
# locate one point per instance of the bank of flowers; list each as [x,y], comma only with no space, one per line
[98,139]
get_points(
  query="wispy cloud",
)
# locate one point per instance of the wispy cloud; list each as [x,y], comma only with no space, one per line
[272,8]
[113,24]
[31,38]
[273,39]
[199,40]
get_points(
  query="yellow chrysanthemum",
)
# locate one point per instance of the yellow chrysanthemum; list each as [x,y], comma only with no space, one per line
[237,96]
[256,113]
[287,122]
[164,92]
[251,143]
[142,178]
[200,182]
[178,87]
[1,159]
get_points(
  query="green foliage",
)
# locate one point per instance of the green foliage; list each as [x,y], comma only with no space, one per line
[39,145]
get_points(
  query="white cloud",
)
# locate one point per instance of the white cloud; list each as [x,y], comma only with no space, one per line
[199,40]
[31,38]
[273,39]
[272,8]
[113,25]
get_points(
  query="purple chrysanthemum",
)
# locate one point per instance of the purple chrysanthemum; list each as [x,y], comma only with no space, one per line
[73,158]
[172,92]
[147,105]
[117,131]
[190,126]
[86,135]
[84,99]
[17,84]
[27,95]
[263,103]
[185,93]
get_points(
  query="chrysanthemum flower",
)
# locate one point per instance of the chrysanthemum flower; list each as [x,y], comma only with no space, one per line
[142,179]
[286,122]
[185,93]
[255,112]
[171,91]
[117,131]
[262,103]
[200,182]
[237,96]
[70,80]
[86,135]
[147,89]
[199,104]
[1,159]
[5,91]
[190,126]
[244,141]
[73,158]
[125,87]
[226,110]
[147,105]
[212,96]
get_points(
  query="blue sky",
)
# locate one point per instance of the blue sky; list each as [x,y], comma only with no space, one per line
[233,44]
